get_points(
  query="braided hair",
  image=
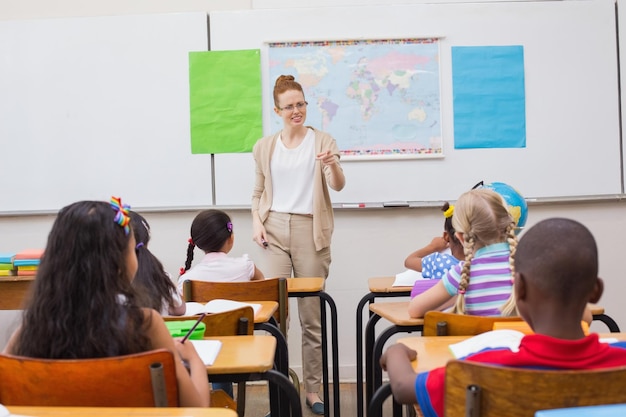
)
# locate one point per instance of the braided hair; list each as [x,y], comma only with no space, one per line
[210,230]
[483,218]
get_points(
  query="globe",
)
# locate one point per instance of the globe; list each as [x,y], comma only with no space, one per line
[516,202]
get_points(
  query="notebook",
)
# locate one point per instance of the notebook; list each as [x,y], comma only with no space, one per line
[207,349]
[218,306]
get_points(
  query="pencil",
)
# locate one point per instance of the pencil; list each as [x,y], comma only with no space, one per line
[193,327]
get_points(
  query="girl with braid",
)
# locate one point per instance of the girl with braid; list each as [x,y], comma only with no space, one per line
[483,282]
[212,232]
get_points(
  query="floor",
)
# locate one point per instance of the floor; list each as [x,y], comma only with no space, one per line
[257,402]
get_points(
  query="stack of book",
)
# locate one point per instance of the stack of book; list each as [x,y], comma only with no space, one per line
[27,261]
[6,264]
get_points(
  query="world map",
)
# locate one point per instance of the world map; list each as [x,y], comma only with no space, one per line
[375,97]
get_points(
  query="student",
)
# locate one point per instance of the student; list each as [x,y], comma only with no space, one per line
[212,232]
[154,286]
[83,305]
[292,214]
[483,280]
[442,253]
[556,275]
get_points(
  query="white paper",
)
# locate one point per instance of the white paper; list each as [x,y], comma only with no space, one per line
[207,349]
[407,278]
[194,308]
[504,338]
[219,305]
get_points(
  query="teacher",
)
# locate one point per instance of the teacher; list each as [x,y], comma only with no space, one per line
[292,214]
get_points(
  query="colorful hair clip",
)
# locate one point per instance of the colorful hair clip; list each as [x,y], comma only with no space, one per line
[461,291]
[190,241]
[121,217]
[448,213]
[229,226]
[138,245]
[181,271]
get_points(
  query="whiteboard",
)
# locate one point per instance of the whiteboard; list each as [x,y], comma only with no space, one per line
[572,98]
[99,106]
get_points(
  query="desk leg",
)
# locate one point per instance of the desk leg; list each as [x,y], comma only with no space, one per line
[281,360]
[376,379]
[610,323]
[289,390]
[325,380]
[370,328]
[325,298]
[367,298]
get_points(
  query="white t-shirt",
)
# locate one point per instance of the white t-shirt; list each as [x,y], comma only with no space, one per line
[218,266]
[292,176]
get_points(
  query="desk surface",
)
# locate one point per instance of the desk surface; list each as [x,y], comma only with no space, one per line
[17,278]
[433,351]
[267,310]
[122,411]
[385,285]
[244,354]
[396,312]
[306,284]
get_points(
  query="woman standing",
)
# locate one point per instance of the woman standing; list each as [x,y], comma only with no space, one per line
[292,215]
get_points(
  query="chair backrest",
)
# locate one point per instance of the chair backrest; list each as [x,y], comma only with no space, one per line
[438,323]
[144,379]
[272,289]
[235,322]
[481,390]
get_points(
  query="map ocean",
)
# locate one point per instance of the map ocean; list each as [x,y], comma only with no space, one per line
[375,97]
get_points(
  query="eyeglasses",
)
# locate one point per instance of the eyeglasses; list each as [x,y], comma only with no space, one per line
[291,107]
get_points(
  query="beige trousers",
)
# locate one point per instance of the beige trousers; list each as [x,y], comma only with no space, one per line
[292,253]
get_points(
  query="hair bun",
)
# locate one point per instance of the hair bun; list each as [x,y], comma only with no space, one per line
[285,78]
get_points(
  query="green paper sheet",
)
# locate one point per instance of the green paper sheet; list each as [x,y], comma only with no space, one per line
[225,101]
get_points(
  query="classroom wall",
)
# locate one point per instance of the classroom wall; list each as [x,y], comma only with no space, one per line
[367,242]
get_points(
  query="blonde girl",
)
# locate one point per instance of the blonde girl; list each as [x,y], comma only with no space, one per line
[483,282]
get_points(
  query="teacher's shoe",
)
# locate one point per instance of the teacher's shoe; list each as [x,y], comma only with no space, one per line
[316,408]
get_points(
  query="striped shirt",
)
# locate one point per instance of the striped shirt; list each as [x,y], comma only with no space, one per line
[490,282]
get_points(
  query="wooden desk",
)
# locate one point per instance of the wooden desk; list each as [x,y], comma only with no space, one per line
[598,314]
[14,291]
[122,411]
[379,287]
[266,312]
[251,358]
[243,354]
[307,284]
[433,351]
[398,314]
[314,287]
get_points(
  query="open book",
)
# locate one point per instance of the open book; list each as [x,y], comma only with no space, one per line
[218,306]
[207,349]
[407,278]
[504,338]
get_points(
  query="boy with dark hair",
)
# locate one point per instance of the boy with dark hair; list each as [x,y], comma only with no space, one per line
[556,275]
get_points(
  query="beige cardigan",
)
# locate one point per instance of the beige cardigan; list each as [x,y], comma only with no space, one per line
[323,222]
